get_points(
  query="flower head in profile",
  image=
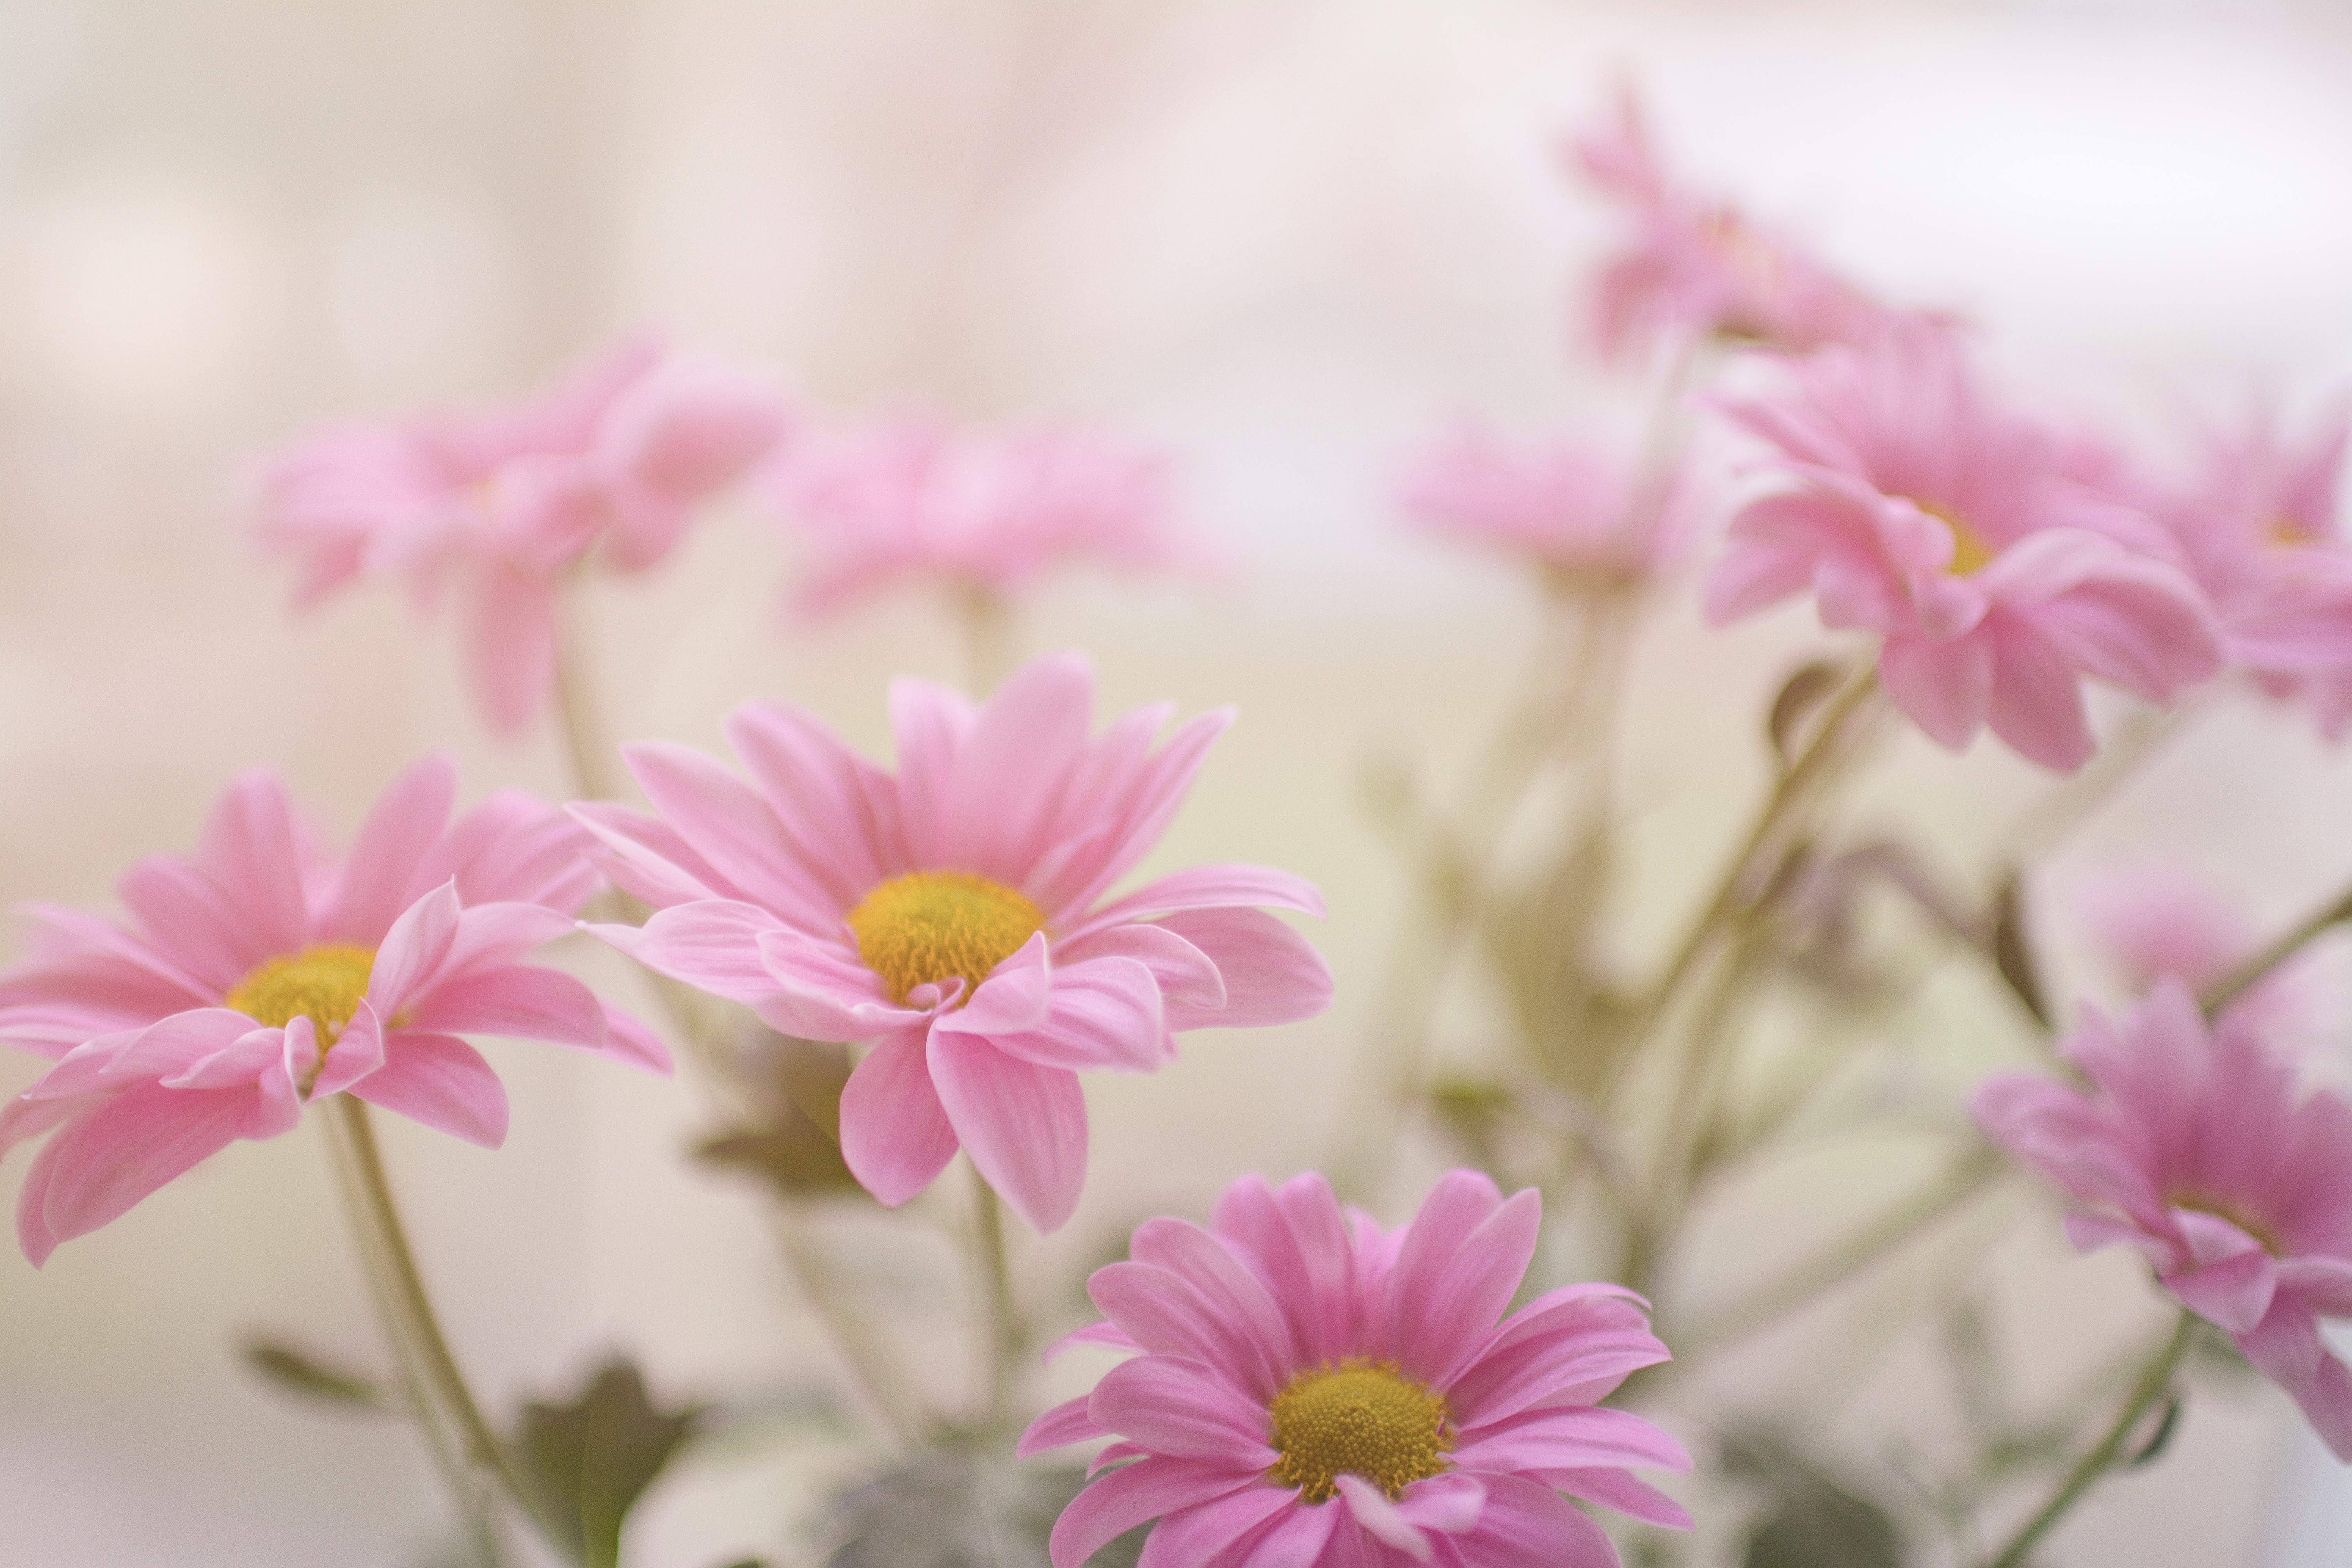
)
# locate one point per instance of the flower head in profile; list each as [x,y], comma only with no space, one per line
[1915,507]
[1694,267]
[496,506]
[957,916]
[984,512]
[1566,506]
[2263,528]
[1312,1391]
[2194,1146]
[253,978]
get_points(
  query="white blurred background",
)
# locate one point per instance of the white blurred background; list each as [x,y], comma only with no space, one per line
[1288,239]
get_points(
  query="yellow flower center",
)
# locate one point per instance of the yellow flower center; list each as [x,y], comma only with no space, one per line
[919,928]
[324,982]
[1969,551]
[1362,1418]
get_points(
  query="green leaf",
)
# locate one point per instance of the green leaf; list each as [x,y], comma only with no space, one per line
[588,1460]
[305,1375]
[1800,694]
[2012,954]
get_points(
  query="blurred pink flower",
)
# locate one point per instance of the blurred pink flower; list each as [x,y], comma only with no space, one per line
[1922,512]
[2194,1147]
[501,504]
[908,499]
[254,978]
[1566,506]
[1315,1392]
[953,915]
[2262,526]
[2158,918]
[1697,267]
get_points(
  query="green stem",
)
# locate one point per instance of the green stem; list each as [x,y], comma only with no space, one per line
[477,1504]
[1000,1333]
[2252,971]
[394,1263]
[2153,1383]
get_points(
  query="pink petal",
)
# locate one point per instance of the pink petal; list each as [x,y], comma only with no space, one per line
[1945,688]
[194,923]
[1106,1336]
[728,823]
[1206,887]
[1064,1424]
[1123,1499]
[1017,996]
[247,847]
[516,1002]
[1614,1489]
[648,858]
[414,950]
[1298,1241]
[2037,700]
[1184,1409]
[712,945]
[495,935]
[1192,1537]
[1297,1539]
[166,1047]
[1379,1518]
[1271,973]
[1105,1013]
[928,722]
[1010,765]
[405,821]
[1166,1312]
[96,1169]
[510,637]
[1577,1437]
[1121,836]
[1449,1504]
[818,990]
[634,1042]
[1233,1293]
[895,1134]
[837,806]
[2326,1402]
[1184,975]
[355,1053]
[2235,1293]
[2286,1346]
[1504,1381]
[1024,1126]
[1526,1525]
[1427,1318]
[441,1081]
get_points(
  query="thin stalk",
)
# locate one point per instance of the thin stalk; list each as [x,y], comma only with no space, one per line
[1842,1259]
[1000,1326]
[1791,793]
[862,1347]
[2252,971]
[404,1285]
[586,745]
[2153,1382]
[477,1504]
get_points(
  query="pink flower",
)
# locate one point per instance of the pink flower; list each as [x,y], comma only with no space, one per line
[983,512]
[501,504]
[2262,527]
[955,916]
[2193,1146]
[1313,1393]
[254,978]
[1918,510]
[2158,919]
[1564,505]
[1697,267]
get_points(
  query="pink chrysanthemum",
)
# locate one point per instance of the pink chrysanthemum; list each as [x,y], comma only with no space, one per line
[1313,1392]
[1695,267]
[2158,919]
[253,979]
[2193,1146]
[1565,505]
[955,916]
[1922,512]
[2262,530]
[497,505]
[911,501]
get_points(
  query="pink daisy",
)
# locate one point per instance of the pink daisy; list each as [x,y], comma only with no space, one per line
[1313,1392]
[1563,505]
[501,504]
[1697,267]
[910,499]
[2192,1145]
[1917,509]
[253,978]
[2262,528]
[955,916]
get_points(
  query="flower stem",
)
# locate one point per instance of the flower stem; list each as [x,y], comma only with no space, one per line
[1000,1326]
[394,1262]
[584,741]
[2153,1382]
[2252,971]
